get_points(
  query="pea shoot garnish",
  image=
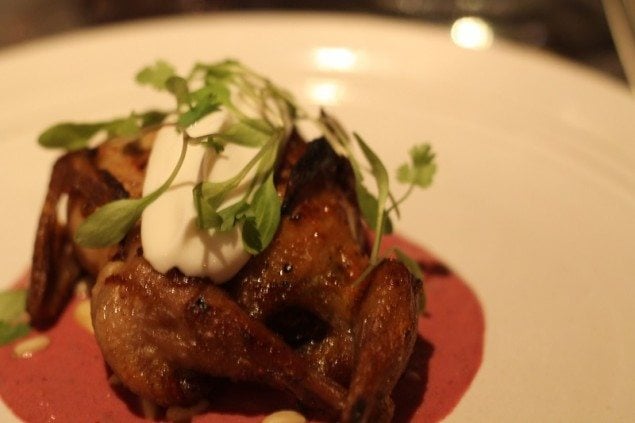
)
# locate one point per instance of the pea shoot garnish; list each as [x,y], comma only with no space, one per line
[260,115]
[13,325]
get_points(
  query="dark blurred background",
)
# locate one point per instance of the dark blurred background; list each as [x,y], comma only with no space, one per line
[576,29]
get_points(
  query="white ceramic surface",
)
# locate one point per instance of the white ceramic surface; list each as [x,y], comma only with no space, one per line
[534,203]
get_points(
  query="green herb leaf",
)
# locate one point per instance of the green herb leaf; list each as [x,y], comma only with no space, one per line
[156,75]
[206,216]
[212,142]
[213,88]
[381,177]
[285,97]
[251,236]
[199,111]
[213,193]
[410,263]
[12,304]
[76,136]
[421,169]
[232,214]
[70,136]
[220,70]
[262,119]
[208,196]
[126,127]
[248,132]
[110,223]
[369,205]
[12,308]
[9,332]
[415,269]
[152,117]
[260,230]
[178,86]
[269,154]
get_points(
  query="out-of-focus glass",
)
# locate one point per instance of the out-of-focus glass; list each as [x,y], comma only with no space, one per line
[621,17]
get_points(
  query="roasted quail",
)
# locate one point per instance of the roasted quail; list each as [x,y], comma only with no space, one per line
[297,317]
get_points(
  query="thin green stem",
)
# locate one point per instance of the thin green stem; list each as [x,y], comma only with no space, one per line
[402,199]
[157,193]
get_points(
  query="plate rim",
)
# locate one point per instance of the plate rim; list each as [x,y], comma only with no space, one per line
[585,73]
[507,46]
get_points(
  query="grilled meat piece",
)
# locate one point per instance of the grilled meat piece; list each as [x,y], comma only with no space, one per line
[297,317]
[161,333]
[90,178]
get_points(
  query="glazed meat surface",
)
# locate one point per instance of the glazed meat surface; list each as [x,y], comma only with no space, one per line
[88,179]
[298,317]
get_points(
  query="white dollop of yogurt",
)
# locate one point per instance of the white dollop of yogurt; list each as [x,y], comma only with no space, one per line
[169,234]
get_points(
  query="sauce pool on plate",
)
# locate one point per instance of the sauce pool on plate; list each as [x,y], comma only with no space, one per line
[68,380]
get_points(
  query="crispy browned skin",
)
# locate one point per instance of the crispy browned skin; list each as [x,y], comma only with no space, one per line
[88,178]
[296,317]
[160,332]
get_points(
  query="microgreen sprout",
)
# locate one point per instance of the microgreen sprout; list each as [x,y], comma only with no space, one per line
[261,115]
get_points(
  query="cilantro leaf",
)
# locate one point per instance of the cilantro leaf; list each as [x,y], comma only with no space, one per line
[156,75]
[421,169]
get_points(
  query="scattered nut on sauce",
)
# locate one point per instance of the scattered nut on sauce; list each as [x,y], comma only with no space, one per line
[28,347]
[82,315]
[284,416]
[81,290]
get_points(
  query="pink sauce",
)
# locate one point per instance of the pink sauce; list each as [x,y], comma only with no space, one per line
[68,381]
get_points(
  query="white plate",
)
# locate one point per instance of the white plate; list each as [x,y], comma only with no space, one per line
[534,203]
